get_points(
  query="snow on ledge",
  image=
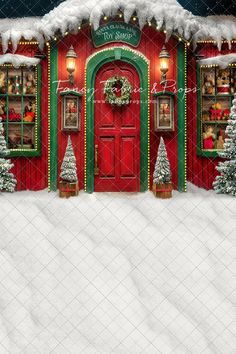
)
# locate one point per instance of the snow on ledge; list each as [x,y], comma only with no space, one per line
[17,60]
[221,60]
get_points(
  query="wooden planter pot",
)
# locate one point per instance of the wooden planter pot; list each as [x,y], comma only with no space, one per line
[162,190]
[67,189]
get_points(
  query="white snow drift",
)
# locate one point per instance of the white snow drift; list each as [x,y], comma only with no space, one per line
[16,60]
[168,14]
[120,273]
[221,60]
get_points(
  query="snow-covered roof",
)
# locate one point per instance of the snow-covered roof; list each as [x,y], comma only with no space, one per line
[14,29]
[168,14]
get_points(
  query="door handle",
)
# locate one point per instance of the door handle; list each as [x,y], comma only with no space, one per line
[96,168]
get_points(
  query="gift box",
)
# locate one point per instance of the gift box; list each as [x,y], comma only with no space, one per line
[215,114]
[208,143]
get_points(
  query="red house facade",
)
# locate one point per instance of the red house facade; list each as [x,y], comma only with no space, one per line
[115,146]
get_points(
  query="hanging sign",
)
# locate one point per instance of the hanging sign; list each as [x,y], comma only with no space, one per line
[116,32]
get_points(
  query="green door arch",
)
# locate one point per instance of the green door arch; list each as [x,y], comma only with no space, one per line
[94,63]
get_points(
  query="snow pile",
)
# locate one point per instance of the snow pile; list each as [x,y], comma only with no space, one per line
[16,60]
[15,29]
[168,14]
[121,273]
[221,60]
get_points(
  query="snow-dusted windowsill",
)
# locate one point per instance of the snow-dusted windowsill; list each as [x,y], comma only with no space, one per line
[17,60]
[221,60]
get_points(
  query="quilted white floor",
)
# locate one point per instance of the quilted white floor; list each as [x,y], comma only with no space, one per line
[121,273]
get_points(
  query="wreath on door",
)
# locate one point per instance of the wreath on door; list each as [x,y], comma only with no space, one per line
[110,90]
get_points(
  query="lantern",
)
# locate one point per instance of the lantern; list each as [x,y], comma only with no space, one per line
[70,63]
[164,57]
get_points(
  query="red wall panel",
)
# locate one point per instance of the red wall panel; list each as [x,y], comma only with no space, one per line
[150,45]
[31,173]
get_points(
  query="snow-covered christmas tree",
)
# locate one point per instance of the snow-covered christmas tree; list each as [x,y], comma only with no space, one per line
[226,181]
[68,167]
[7,179]
[162,172]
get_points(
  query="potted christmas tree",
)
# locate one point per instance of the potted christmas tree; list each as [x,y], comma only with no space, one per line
[7,179]
[162,186]
[226,182]
[68,186]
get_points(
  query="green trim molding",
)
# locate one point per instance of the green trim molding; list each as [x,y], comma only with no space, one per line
[199,128]
[71,92]
[162,93]
[53,116]
[39,103]
[181,102]
[141,64]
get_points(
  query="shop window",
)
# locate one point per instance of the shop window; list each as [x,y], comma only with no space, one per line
[20,109]
[215,93]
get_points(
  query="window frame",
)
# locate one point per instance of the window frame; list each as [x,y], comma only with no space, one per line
[200,150]
[157,97]
[36,151]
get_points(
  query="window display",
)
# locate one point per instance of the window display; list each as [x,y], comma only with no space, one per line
[217,87]
[164,112]
[71,110]
[18,107]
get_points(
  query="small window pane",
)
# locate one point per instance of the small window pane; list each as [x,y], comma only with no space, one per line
[14,108]
[28,136]
[29,110]
[14,136]
[14,82]
[29,82]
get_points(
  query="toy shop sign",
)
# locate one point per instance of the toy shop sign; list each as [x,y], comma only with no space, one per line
[116,32]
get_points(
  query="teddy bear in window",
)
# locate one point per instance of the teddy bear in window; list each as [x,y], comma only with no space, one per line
[223,82]
[30,84]
[2,82]
[208,84]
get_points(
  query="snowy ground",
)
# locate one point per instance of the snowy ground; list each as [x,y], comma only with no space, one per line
[121,273]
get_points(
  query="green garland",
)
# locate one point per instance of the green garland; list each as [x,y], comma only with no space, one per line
[110,91]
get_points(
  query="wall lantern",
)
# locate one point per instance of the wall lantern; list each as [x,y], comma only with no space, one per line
[70,63]
[164,57]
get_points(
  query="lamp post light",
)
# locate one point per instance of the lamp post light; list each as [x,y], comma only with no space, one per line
[71,63]
[164,57]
